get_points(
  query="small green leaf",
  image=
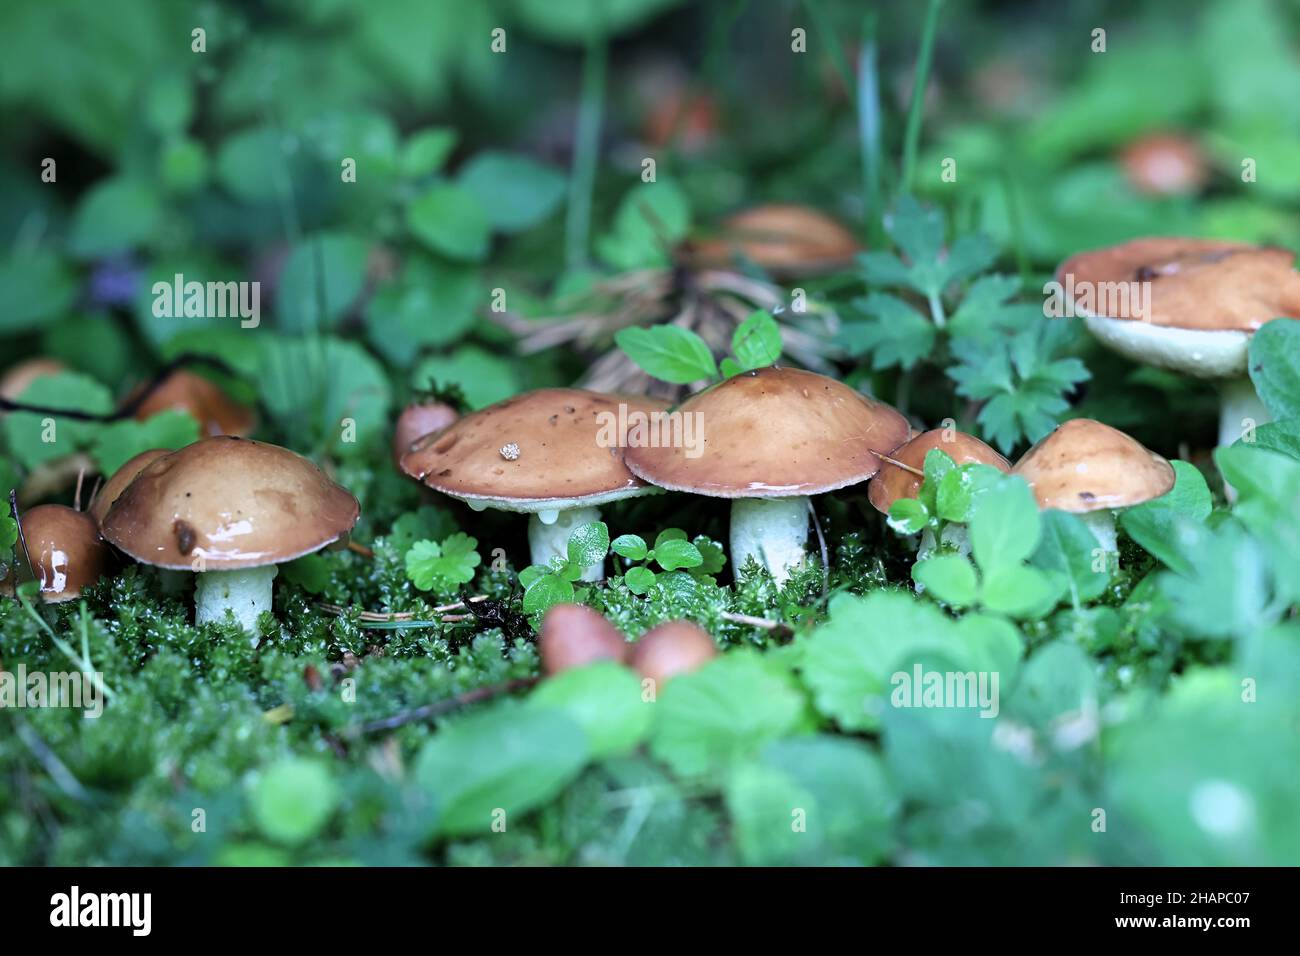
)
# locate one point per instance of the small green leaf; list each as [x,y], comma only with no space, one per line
[756,343]
[669,353]
[605,700]
[639,580]
[1275,366]
[1005,525]
[311,572]
[669,534]
[1019,591]
[672,555]
[451,222]
[588,545]
[444,566]
[294,799]
[949,577]
[630,546]
[425,151]
[545,591]
[908,516]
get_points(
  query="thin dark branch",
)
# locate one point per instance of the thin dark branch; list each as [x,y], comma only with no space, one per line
[440,707]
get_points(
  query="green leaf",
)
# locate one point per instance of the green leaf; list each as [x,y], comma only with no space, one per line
[908,516]
[1280,436]
[425,151]
[672,555]
[35,286]
[431,302]
[545,592]
[819,800]
[639,580]
[1155,524]
[425,522]
[1020,591]
[651,219]
[311,572]
[729,367]
[955,495]
[450,221]
[669,534]
[714,558]
[515,192]
[949,577]
[294,799]
[443,566]
[1068,549]
[36,438]
[588,544]
[322,279]
[630,546]
[706,720]
[510,758]
[668,352]
[1005,524]
[1275,366]
[756,343]
[894,335]
[118,442]
[605,700]
[936,466]
[115,215]
[485,378]
[8,533]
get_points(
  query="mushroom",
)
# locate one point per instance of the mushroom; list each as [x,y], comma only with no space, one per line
[215,411]
[1164,164]
[65,550]
[893,482]
[771,438]
[555,454]
[17,377]
[672,648]
[1093,470]
[417,420]
[229,509]
[1206,299]
[117,482]
[783,238]
[573,635]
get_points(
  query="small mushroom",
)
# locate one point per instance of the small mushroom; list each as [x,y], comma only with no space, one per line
[1207,297]
[417,420]
[783,238]
[569,462]
[215,411]
[117,482]
[771,438]
[893,482]
[229,509]
[1093,470]
[672,648]
[1163,164]
[573,635]
[66,552]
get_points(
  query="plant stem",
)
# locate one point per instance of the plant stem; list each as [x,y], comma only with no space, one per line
[577,226]
[869,128]
[920,81]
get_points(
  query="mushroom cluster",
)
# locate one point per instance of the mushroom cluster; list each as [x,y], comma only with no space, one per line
[573,635]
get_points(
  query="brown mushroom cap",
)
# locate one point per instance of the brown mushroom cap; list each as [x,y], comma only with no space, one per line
[776,433]
[216,412]
[237,503]
[66,551]
[417,420]
[1087,466]
[574,636]
[1164,164]
[117,483]
[783,238]
[16,378]
[564,458]
[672,648]
[892,483]
[1202,284]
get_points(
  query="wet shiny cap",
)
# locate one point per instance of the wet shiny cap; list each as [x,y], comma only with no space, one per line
[1087,466]
[1204,284]
[892,483]
[554,448]
[117,483]
[236,503]
[774,433]
[66,551]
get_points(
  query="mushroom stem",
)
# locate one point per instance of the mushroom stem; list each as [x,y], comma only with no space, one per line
[549,538]
[773,531]
[1102,526]
[1241,408]
[246,593]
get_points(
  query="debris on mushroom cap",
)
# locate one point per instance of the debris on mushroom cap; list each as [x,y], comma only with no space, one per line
[417,420]
[232,502]
[1203,284]
[570,445]
[66,552]
[16,378]
[672,648]
[216,412]
[1087,466]
[783,238]
[892,483]
[1164,164]
[775,433]
[117,482]
[573,636]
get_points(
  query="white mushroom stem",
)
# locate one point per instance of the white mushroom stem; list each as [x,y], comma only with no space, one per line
[245,593]
[1241,409]
[773,531]
[548,536]
[1102,526]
